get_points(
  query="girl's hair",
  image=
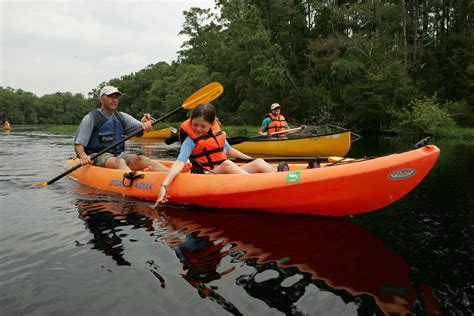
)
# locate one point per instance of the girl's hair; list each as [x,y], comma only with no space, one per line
[207,111]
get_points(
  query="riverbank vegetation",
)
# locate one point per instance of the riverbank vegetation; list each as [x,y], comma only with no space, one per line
[232,130]
[400,66]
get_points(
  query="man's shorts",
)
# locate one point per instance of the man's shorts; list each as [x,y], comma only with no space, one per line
[100,161]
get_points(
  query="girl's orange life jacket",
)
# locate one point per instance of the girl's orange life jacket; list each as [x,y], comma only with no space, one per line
[278,124]
[209,150]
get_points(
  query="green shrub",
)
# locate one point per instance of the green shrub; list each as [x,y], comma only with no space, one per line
[423,116]
[460,112]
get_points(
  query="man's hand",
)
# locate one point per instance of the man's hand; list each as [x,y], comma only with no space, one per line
[85,159]
[146,118]
[147,126]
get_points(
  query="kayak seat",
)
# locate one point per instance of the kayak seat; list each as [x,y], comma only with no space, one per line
[312,164]
[283,166]
[197,167]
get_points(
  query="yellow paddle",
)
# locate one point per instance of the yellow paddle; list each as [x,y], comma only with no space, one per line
[205,94]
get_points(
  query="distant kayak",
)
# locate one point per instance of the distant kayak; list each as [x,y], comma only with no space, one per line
[334,189]
[333,144]
[163,133]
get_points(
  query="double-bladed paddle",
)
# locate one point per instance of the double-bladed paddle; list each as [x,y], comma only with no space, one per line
[205,94]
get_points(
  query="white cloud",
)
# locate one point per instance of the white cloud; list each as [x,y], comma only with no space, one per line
[67,45]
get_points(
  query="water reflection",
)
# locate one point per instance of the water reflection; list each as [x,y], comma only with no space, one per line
[294,264]
[300,264]
[104,220]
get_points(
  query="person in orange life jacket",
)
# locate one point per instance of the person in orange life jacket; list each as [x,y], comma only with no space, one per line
[102,127]
[275,122]
[204,142]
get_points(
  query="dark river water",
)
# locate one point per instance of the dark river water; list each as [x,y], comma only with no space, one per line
[67,249]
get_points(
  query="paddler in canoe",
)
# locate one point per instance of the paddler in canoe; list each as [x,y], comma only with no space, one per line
[275,122]
[205,145]
[6,126]
[102,127]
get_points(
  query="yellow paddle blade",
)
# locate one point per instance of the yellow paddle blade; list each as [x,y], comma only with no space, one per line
[41,184]
[203,95]
[333,159]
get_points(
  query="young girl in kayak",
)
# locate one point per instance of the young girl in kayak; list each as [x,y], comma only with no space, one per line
[204,144]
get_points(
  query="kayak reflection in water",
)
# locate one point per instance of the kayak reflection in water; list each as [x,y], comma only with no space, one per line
[104,223]
[294,264]
[200,258]
[315,266]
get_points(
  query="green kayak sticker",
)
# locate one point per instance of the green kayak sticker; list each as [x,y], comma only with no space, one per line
[293,177]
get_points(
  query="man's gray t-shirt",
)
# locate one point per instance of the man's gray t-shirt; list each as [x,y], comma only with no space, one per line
[86,128]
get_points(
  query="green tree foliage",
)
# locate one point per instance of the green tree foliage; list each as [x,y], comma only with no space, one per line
[362,61]
[62,108]
[352,63]
[16,104]
[423,116]
[21,107]
[159,88]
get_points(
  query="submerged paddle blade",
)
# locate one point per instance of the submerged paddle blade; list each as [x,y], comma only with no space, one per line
[203,95]
[41,184]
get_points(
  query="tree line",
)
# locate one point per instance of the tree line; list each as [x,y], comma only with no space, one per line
[367,65]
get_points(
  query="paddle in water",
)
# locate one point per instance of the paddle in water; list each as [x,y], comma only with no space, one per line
[203,95]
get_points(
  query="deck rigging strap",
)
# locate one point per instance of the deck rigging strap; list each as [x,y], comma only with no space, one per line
[131,176]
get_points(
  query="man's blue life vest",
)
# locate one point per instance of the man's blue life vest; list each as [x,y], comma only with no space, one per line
[107,130]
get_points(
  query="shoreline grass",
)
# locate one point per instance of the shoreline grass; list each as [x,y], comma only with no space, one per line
[459,133]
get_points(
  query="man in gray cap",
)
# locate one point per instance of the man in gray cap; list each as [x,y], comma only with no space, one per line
[104,126]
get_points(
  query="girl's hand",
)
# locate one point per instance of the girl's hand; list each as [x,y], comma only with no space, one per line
[162,196]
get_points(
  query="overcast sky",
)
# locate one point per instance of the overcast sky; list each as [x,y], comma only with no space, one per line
[74,45]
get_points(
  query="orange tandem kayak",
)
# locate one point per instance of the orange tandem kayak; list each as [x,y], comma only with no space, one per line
[340,189]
